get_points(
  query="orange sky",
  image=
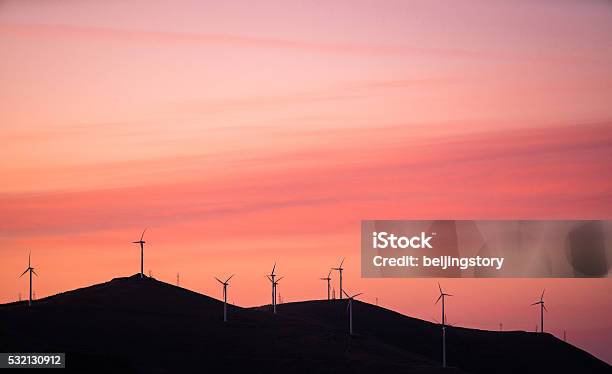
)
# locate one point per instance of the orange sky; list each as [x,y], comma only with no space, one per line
[241,135]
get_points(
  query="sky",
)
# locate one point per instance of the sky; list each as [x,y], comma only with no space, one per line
[244,133]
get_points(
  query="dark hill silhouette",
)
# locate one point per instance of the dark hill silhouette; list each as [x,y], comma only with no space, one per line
[144,325]
[472,350]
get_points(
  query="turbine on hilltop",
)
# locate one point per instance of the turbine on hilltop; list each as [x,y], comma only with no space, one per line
[142,243]
[225,284]
[31,270]
[328,279]
[339,269]
[274,281]
[442,297]
[542,309]
[349,309]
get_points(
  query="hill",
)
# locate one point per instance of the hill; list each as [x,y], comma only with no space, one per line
[143,325]
[476,351]
[147,326]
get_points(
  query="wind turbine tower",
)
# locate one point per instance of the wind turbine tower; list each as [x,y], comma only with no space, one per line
[328,279]
[274,281]
[442,297]
[280,300]
[349,309]
[542,309]
[30,269]
[142,243]
[339,269]
[225,284]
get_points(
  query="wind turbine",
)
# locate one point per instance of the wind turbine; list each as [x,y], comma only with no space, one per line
[225,284]
[349,309]
[542,309]
[328,279]
[274,282]
[141,242]
[31,270]
[442,296]
[339,268]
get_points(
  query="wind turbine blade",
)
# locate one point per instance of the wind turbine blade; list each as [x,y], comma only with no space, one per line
[24,272]
[341,262]
[270,279]
[329,274]
[544,306]
[354,296]
[440,287]
[273,267]
[37,275]
[439,297]
[143,232]
[449,294]
[542,297]
[278,280]
[536,303]
[29,257]
[347,295]
[136,242]
[230,278]
[218,280]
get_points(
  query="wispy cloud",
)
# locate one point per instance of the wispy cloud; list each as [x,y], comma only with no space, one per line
[544,167]
[130,35]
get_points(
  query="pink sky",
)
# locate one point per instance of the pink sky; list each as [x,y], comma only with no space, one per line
[244,133]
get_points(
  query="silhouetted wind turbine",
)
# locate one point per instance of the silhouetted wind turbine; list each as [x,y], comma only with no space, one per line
[141,242]
[225,284]
[31,270]
[271,277]
[442,296]
[328,279]
[339,268]
[542,309]
[349,309]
